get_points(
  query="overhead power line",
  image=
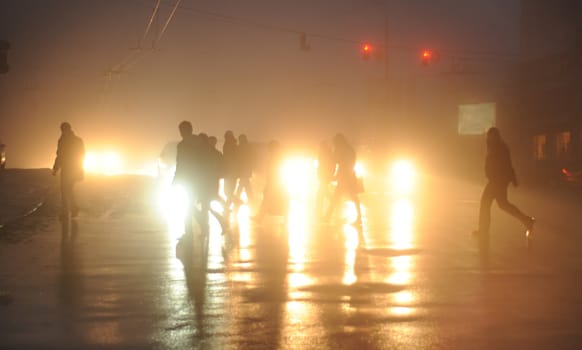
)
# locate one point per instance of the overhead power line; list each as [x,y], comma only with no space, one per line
[235,20]
[140,51]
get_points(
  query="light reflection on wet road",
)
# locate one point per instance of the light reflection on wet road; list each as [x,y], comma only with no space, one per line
[409,277]
[302,284]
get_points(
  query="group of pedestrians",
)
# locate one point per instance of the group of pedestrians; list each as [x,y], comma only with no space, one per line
[200,166]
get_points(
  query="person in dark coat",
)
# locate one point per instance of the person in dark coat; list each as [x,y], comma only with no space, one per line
[69,162]
[189,175]
[345,174]
[499,172]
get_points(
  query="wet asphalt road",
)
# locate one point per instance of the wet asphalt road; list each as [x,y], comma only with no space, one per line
[412,277]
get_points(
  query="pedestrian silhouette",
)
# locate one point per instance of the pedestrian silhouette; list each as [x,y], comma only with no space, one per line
[345,174]
[229,149]
[245,161]
[69,162]
[189,176]
[325,172]
[211,163]
[500,173]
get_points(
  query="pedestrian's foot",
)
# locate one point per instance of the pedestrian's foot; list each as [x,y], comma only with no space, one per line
[529,227]
[479,233]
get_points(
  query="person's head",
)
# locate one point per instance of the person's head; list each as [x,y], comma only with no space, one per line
[212,140]
[229,136]
[203,138]
[185,128]
[339,140]
[242,139]
[493,136]
[66,128]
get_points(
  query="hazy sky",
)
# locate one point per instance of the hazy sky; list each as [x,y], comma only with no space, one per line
[221,64]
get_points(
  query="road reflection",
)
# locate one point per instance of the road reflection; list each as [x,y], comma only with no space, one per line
[402,238]
[70,284]
[287,281]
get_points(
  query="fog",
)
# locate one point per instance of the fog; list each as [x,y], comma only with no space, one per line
[238,65]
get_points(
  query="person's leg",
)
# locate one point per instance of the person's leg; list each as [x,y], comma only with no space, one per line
[485,208]
[189,212]
[248,189]
[65,196]
[202,216]
[334,202]
[356,201]
[73,200]
[239,190]
[229,191]
[244,184]
[219,217]
[321,196]
[505,205]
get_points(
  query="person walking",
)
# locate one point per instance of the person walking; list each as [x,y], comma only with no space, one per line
[188,175]
[500,173]
[245,162]
[345,174]
[325,170]
[229,161]
[211,163]
[69,163]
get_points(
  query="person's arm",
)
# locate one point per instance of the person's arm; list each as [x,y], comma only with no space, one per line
[511,170]
[178,171]
[57,163]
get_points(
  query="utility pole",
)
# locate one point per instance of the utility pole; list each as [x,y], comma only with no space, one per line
[4,47]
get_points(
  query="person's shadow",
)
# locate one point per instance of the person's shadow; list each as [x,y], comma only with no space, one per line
[70,280]
[195,274]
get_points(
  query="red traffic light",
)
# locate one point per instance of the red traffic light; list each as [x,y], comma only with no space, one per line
[426,57]
[367,50]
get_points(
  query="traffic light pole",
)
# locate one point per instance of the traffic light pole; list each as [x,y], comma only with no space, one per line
[4,47]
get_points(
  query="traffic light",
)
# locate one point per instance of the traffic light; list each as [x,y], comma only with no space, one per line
[426,57]
[367,51]
[4,46]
